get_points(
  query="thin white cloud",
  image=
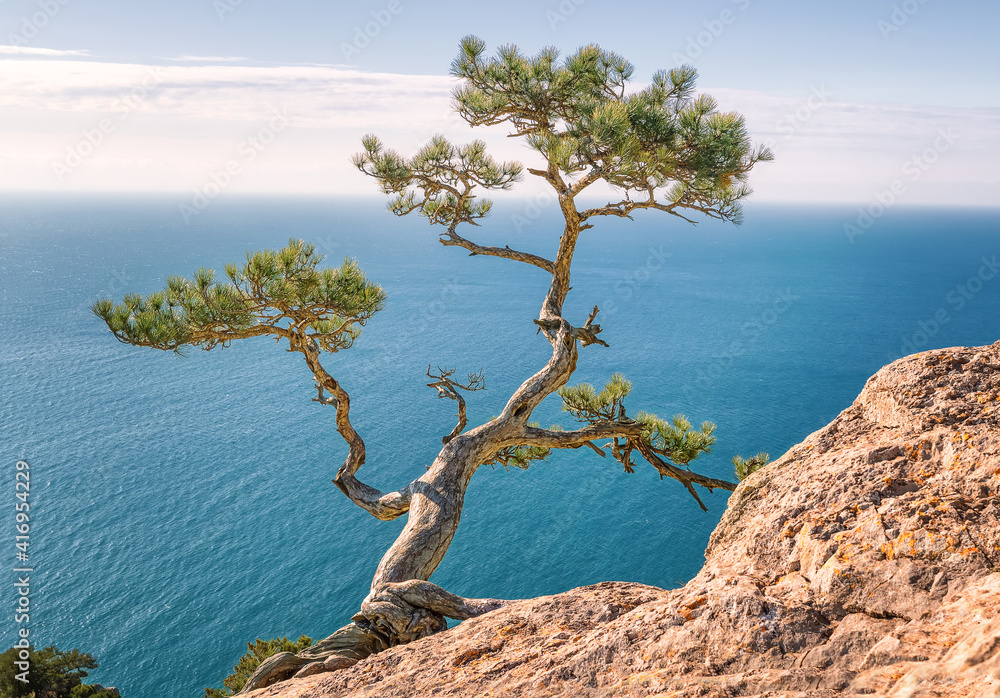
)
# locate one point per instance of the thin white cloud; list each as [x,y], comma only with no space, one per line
[189,119]
[317,96]
[206,59]
[31,51]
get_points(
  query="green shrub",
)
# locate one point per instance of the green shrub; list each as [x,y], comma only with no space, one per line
[745,467]
[257,652]
[85,690]
[53,673]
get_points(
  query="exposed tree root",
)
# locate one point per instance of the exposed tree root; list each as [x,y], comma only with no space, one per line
[396,614]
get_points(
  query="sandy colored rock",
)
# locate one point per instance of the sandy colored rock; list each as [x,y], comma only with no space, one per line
[863,561]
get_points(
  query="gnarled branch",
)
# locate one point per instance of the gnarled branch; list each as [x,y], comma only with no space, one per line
[450,238]
[548,438]
[378,504]
[586,334]
[339,398]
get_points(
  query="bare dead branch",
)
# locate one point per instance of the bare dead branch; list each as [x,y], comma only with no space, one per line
[448,388]
[588,333]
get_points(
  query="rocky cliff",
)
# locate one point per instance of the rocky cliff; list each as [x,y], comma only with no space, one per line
[862,561]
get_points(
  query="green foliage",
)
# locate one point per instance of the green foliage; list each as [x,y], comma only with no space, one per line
[257,652]
[272,293]
[677,440]
[587,405]
[745,467]
[443,173]
[91,691]
[535,93]
[52,674]
[663,146]
[577,114]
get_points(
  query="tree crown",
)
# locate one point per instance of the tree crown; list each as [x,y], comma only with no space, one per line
[661,146]
[278,292]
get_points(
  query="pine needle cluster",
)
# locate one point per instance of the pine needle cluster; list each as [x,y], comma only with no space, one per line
[444,175]
[274,292]
[675,440]
[588,405]
[745,467]
[580,115]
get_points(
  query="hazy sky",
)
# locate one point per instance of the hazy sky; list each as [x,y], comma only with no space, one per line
[855,96]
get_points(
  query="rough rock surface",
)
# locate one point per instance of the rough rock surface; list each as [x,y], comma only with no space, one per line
[863,561]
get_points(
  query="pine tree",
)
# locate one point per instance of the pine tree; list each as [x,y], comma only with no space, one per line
[51,673]
[661,148]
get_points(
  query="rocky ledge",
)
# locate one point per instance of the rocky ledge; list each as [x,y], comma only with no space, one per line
[863,561]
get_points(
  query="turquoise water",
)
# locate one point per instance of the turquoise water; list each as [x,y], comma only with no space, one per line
[183,506]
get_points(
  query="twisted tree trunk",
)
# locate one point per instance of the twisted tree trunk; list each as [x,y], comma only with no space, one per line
[403,605]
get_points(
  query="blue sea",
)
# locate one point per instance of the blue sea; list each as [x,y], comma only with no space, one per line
[183,506]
